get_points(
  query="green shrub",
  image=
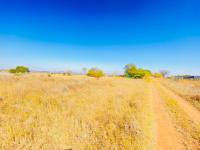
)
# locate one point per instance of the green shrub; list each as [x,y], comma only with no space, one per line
[95,72]
[19,69]
[131,71]
[18,74]
[69,73]
[158,75]
[12,70]
[22,69]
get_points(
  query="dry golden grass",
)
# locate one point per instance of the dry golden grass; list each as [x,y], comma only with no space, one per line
[188,89]
[75,112]
[184,124]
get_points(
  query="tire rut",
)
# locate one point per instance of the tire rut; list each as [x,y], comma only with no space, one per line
[191,111]
[167,137]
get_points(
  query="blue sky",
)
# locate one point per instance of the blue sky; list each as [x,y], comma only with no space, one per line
[69,35]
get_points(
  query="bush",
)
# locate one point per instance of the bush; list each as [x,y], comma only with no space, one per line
[19,69]
[22,69]
[158,75]
[95,72]
[69,73]
[12,70]
[131,71]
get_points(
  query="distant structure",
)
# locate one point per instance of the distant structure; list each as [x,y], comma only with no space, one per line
[186,77]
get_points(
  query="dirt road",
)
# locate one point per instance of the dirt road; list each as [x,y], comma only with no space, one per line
[186,106]
[170,134]
[167,137]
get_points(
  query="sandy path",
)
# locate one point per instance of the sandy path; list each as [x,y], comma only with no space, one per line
[192,112]
[167,137]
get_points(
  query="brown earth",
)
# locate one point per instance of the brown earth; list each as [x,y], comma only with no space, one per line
[167,137]
[186,106]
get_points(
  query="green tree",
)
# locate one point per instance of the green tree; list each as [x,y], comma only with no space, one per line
[95,72]
[19,69]
[131,71]
[147,73]
[22,69]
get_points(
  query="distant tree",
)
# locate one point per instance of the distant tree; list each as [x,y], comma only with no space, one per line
[130,66]
[84,70]
[22,69]
[131,71]
[69,72]
[164,73]
[147,73]
[95,72]
[19,69]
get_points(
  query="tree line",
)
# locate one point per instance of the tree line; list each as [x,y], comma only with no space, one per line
[130,71]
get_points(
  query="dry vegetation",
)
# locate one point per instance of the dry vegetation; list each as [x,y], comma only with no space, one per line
[60,112]
[184,124]
[38,111]
[188,89]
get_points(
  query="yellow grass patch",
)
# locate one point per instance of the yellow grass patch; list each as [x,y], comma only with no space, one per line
[74,112]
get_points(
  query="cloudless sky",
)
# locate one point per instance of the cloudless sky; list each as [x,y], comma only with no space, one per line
[69,35]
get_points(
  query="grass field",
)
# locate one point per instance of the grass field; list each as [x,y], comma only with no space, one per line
[188,89]
[57,112]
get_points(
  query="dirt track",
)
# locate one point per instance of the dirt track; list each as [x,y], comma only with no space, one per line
[187,107]
[167,137]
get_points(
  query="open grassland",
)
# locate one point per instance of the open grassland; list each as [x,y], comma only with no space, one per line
[188,89]
[75,112]
[60,112]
